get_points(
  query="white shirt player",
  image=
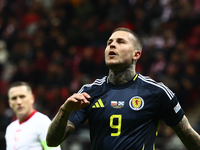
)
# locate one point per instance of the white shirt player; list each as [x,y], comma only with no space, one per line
[30,134]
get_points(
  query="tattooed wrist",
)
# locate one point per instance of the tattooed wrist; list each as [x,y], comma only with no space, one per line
[65,111]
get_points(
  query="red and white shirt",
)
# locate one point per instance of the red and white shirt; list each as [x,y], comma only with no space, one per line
[29,134]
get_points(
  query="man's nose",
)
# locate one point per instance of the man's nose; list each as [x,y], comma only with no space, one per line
[18,100]
[112,45]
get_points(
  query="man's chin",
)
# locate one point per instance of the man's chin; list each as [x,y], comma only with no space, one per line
[111,65]
[20,112]
[114,67]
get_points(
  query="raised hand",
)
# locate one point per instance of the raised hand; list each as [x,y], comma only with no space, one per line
[76,102]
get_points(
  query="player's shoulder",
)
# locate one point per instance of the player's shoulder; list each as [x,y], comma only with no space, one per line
[38,116]
[154,86]
[13,124]
[40,119]
[150,83]
[146,80]
[96,84]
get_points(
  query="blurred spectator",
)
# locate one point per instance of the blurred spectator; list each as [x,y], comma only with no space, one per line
[189,85]
[5,119]
[116,11]
[4,54]
[87,64]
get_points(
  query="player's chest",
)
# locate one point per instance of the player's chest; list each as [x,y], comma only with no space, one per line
[22,136]
[132,104]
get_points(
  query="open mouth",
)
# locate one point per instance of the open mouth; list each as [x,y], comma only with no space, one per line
[112,53]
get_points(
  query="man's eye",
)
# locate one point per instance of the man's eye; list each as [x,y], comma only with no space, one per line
[22,96]
[120,41]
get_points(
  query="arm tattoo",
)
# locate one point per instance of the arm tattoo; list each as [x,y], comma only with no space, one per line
[187,134]
[59,129]
[70,129]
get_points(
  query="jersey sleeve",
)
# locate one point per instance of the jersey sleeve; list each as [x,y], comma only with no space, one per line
[78,117]
[169,108]
[43,128]
[44,124]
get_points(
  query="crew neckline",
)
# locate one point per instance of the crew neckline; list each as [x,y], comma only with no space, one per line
[34,111]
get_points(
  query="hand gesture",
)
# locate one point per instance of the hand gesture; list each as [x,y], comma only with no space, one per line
[76,102]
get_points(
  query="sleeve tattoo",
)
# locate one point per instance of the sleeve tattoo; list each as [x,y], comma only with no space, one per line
[60,129]
[187,134]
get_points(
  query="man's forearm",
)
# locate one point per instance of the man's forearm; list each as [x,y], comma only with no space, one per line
[187,135]
[57,129]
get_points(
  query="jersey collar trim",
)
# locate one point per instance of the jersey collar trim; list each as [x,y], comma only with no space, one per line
[28,117]
[135,77]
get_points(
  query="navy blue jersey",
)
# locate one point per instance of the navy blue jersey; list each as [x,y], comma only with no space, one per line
[125,117]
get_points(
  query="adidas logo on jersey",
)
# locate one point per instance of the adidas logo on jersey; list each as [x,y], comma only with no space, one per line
[98,104]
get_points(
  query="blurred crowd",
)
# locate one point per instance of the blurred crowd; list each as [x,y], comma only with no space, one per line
[58,45]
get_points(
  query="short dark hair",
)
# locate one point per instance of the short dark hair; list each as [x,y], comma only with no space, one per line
[20,83]
[137,40]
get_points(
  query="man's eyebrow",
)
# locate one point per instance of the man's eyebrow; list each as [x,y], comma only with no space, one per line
[110,40]
[116,39]
[121,39]
[14,97]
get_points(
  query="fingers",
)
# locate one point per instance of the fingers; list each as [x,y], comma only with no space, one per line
[76,102]
[85,104]
[86,95]
[81,97]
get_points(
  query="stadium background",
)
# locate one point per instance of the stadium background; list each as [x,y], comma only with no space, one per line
[58,45]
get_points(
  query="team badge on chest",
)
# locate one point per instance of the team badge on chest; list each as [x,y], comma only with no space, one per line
[136,103]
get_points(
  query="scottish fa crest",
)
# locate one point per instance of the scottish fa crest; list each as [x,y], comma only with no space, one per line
[136,103]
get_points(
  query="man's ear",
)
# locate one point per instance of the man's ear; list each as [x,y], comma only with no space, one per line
[136,54]
[32,98]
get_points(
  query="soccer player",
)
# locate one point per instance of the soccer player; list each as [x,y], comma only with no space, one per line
[123,108]
[29,131]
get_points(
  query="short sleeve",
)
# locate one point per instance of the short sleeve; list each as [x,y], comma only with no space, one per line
[43,127]
[78,117]
[43,123]
[170,109]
